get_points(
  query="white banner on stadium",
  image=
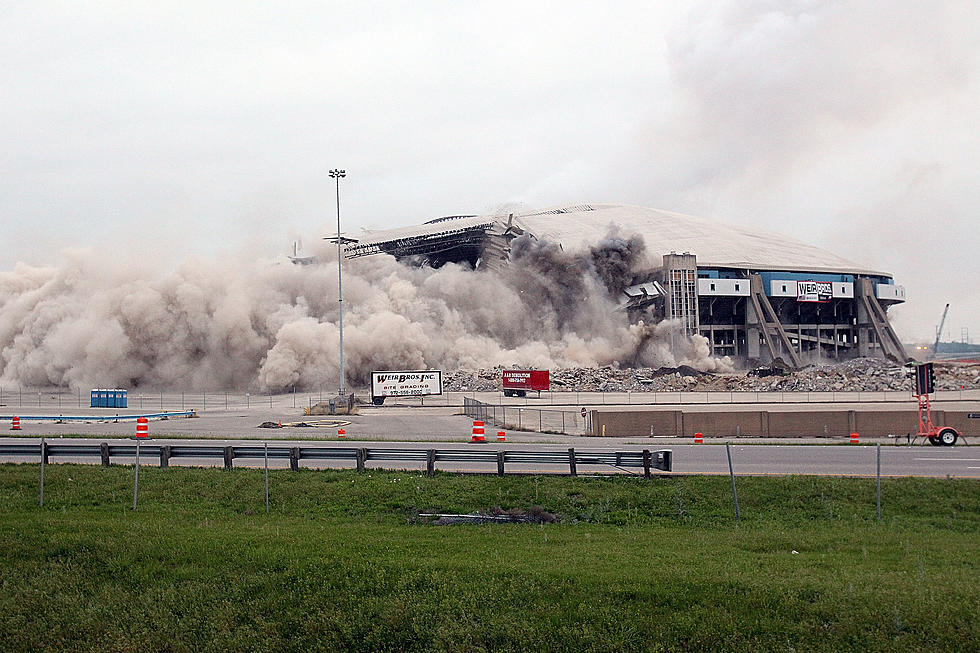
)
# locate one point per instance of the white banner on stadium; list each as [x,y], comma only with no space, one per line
[814,291]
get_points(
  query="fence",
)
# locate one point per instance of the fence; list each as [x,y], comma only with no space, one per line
[566,422]
[144,400]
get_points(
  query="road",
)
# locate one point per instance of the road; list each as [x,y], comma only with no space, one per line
[754,459]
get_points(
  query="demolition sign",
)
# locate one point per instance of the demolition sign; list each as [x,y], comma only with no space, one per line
[814,291]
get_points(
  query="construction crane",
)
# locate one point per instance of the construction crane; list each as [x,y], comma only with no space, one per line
[939,331]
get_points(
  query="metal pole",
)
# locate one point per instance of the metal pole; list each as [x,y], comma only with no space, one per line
[878,481]
[337,174]
[136,477]
[731,473]
[265,446]
[41,501]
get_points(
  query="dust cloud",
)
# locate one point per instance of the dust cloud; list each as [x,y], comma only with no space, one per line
[237,322]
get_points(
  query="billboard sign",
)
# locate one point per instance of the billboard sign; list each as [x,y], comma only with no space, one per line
[526,379]
[814,291]
[415,383]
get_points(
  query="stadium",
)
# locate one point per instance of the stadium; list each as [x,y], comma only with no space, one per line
[754,296]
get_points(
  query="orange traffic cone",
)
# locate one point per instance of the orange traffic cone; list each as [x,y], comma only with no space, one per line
[698,438]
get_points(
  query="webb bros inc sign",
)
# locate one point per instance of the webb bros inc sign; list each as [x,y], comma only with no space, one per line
[814,291]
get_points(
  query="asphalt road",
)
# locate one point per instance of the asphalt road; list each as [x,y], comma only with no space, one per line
[756,459]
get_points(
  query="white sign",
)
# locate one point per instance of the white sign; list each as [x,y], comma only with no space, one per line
[814,291]
[416,383]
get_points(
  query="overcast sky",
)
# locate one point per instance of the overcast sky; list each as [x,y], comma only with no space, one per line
[200,128]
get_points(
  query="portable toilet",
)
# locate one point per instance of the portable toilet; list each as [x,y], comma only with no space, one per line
[95,398]
[121,398]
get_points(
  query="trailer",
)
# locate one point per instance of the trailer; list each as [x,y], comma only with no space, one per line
[516,383]
[938,436]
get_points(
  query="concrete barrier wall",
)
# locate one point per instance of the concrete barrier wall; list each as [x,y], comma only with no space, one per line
[802,423]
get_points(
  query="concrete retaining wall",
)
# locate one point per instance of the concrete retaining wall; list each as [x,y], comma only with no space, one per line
[764,423]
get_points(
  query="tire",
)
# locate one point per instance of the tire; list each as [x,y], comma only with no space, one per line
[934,441]
[948,437]
[377,401]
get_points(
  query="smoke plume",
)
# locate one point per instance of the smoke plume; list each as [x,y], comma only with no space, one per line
[236,322]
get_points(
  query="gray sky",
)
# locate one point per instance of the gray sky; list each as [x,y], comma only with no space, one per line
[202,128]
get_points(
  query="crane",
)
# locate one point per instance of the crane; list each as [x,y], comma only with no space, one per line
[939,331]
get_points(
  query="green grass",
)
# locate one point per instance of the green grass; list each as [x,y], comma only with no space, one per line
[341,563]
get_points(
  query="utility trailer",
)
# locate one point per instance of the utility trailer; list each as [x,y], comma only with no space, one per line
[516,383]
[939,436]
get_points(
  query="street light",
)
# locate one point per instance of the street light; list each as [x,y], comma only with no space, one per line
[337,175]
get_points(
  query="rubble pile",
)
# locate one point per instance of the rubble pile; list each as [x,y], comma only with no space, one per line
[862,374]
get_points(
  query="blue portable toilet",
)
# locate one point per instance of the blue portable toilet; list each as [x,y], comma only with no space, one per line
[110,396]
[121,398]
[95,398]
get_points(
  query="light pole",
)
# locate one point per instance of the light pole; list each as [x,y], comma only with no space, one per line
[337,175]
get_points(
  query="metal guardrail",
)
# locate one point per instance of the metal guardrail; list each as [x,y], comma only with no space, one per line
[646,459]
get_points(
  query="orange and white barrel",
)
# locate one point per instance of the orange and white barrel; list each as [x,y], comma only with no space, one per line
[478,434]
[15,423]
[142,427]
[698,438]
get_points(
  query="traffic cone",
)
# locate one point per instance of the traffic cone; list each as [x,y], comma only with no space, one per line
[15,424]
[478,435]
[501,436]
[698,438]
[280,425]
[854,438]
[341,434]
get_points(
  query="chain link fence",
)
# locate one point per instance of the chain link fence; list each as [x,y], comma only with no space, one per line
[519,418]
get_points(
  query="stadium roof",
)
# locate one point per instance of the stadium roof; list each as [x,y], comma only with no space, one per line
[578,227]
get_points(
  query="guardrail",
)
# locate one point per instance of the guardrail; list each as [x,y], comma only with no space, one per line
[647,460]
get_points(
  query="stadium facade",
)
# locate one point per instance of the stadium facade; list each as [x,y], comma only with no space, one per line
[754,296]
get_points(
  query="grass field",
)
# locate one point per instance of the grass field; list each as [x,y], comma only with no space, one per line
[342,563]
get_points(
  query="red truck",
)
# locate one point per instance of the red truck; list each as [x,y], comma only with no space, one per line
[516,383]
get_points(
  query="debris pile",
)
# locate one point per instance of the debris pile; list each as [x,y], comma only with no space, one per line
[858,375]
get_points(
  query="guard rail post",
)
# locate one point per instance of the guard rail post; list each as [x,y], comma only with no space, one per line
[646,463]
[229,456]
[104,451]
[500,463]
[44,459]
[361,457]
[571,462]
[294,459]
[430,462]
[165,457]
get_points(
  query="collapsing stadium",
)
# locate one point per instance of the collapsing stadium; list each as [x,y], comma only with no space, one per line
[753,296]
